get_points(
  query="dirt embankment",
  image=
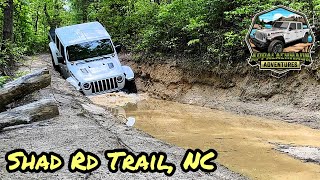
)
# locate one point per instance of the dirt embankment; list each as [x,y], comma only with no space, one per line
[89,127]
[294,98]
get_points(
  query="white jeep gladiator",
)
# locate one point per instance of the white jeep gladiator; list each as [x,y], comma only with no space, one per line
[85,55]
[281,33]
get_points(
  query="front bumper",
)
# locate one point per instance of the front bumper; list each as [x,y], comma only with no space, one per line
[259,44]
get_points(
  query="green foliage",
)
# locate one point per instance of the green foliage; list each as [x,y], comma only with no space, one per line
[3,80]
[20,74]
[11,52]
[214,29]
[211,30]
[32,21]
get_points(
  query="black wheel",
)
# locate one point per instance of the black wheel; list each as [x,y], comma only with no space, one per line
[130,86]
[276,46]
[305,38]
[55,67]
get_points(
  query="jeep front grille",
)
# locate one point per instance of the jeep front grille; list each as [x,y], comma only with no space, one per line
[104,85]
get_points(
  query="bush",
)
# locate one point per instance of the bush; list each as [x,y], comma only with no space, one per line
[10,54]
[3,80]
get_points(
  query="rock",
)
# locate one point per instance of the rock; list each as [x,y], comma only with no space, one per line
[23,86]
[36,111]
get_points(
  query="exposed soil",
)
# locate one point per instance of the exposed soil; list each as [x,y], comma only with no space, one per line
[86,126]
[294,98]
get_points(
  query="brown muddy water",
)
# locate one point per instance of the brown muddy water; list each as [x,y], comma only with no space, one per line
[245,143]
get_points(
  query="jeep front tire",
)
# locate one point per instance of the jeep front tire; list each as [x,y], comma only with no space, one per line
[130,86]
[276,46]
[305,38]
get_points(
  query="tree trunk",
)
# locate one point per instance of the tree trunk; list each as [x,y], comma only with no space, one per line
[49,20]
[23,86]
[37,20]
[36,111]
[84,9]
[7,33]
[84,15]
[157,1]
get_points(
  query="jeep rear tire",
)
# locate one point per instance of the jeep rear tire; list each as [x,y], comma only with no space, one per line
[276,46]
[130,86]
[305,38]
[55,67]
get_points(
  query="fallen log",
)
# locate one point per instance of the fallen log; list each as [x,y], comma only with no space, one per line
[23,86]
[33,112]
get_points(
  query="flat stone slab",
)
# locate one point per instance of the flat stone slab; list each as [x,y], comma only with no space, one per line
[307,154]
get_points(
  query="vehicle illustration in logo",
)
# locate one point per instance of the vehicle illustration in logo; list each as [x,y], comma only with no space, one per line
[280,39]
[282,33]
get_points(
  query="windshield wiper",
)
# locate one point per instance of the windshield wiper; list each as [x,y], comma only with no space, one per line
[97,59]
[107,56]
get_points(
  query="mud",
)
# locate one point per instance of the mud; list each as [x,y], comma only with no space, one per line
[120,99]
[291,102]
[91,128]
[246,144]
[294,98]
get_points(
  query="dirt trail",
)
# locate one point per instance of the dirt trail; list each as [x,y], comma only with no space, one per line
[82,125]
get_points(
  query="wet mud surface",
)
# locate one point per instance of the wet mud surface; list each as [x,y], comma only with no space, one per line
[246,144]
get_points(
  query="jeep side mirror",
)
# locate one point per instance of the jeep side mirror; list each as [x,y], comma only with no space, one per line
[290,28]
[118,48]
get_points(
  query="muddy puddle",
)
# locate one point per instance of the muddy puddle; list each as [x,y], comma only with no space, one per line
[245,143]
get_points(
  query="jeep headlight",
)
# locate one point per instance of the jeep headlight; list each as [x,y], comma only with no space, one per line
[86,86]
[110,65]
[269,34]
[120,79]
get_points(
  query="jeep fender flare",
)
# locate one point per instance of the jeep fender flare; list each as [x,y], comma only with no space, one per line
[54,51]
[280,38]
[305,37]
[73,82]
[306,34]
[128,72]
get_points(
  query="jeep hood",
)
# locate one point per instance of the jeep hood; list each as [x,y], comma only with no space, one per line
[95,69]
[273,30]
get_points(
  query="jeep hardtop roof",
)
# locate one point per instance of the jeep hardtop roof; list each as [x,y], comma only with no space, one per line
[75,34]
[289,21]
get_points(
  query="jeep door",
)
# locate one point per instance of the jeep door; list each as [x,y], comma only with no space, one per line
[62,63]
[300,30]
[293,33]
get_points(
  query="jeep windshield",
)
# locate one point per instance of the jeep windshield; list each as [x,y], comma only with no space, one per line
[281,25]
[90,50]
